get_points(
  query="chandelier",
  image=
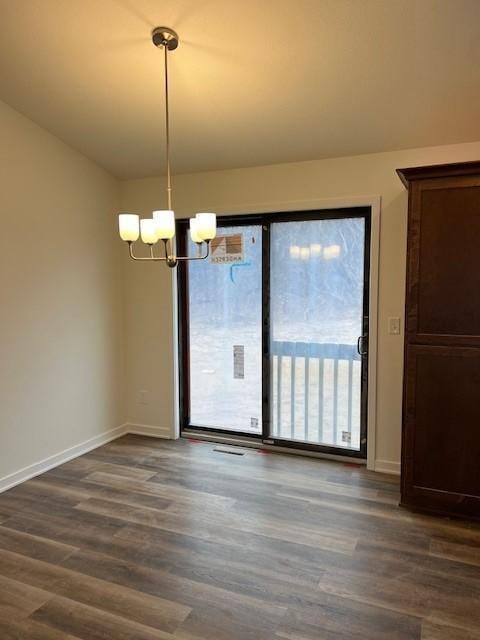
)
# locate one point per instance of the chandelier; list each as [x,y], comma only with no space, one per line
[161,226]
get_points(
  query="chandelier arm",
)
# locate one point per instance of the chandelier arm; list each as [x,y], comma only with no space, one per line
[171,260]
[144,258]
[192,258]
[168,249]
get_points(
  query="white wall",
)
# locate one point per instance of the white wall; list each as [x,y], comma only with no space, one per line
[61,299]
[149,287]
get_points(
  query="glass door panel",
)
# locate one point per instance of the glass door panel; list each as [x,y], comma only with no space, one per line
[317,275]
[224,302]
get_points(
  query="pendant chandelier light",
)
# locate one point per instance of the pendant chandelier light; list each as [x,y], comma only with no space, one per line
[161,226]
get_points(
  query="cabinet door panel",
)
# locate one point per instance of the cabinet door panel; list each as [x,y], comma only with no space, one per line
[444,255]
[441,461]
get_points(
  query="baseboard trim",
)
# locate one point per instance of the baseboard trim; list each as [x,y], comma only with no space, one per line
[148,430]
[387,466]
[35,469]
[17,477]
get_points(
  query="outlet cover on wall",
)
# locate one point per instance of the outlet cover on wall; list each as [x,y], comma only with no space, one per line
[143,397]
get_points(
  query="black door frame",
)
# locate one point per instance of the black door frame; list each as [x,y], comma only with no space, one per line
[265,220]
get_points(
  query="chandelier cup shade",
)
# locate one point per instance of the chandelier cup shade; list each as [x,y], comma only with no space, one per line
[128,226]
[161,226]
[148,231]
[206,225]
[164,224]
[195,232]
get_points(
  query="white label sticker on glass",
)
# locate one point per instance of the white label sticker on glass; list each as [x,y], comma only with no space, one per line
[227,249]
[239,361]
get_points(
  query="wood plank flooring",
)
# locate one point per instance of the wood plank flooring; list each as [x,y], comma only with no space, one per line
[145,539]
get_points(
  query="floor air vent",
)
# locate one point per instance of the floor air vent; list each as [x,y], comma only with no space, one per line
[233,452]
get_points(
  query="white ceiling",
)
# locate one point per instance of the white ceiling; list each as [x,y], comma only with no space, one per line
[253,81]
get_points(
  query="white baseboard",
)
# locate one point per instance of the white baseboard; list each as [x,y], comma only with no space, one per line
[149,430]
[7,482]
[387,466]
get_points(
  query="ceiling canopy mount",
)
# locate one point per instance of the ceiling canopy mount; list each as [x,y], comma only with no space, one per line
[165,37]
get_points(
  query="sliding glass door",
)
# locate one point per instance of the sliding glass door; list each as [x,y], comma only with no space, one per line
[274,330]
[317,275]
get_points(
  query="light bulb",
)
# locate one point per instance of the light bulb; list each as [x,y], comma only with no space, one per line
[128,227]
[164,224]
[207,225]
[148,231]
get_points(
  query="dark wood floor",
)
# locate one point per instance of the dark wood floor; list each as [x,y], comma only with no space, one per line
[145,539]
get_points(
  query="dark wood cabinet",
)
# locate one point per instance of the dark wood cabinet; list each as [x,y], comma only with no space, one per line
[441,413]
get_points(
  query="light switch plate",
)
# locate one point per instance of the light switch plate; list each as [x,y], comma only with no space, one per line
[394,326]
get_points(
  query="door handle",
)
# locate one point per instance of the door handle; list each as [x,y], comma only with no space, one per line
[360,349]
